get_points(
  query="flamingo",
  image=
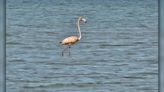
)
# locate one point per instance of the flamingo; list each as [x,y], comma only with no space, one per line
[73,39]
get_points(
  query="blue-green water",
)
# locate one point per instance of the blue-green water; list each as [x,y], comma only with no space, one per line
[118,51]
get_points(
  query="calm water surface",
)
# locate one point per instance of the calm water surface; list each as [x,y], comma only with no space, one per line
[118,51]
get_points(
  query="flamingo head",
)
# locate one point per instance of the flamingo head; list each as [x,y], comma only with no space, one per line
[82,20]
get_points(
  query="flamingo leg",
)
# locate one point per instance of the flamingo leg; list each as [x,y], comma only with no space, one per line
[64,50]
[67,48]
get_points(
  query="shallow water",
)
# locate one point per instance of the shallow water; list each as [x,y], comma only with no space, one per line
[118,51]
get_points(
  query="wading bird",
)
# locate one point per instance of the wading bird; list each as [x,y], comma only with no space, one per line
[73,39]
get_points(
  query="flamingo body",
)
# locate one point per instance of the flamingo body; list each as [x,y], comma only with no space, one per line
[70,40]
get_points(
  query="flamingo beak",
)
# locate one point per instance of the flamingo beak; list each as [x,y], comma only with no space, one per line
[84,20]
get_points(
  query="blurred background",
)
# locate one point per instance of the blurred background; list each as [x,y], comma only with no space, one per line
[2,46]
[161,27]
[118,51]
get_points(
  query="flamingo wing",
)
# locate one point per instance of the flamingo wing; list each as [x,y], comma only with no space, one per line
[70,40]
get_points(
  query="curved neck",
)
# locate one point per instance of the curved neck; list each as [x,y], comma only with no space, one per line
[78,28]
